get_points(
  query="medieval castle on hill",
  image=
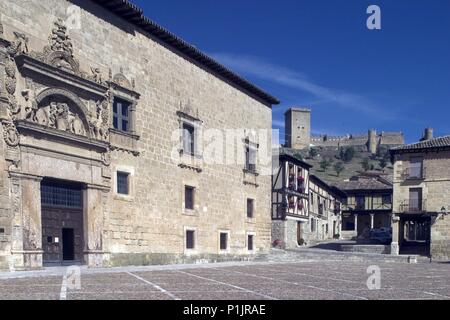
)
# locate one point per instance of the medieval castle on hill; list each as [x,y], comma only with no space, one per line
[298,134]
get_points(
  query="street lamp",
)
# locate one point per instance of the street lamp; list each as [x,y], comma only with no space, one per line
[444,212]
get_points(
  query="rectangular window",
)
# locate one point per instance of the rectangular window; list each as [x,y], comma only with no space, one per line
[60,195]
[250,242]
[190,239]
[415,199]
[121,112]
[415,167]
[188,139]
[250,207]
[250,159]
[386,199]
[2,230]
[360,202]
[189,197]
[313,225]
[223,241]
[123,183]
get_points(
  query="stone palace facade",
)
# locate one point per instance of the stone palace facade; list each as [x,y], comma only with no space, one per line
[102,113]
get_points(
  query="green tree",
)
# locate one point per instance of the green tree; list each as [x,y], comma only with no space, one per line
[324,164]
[383,163]
[365,164]
[348,154]
[338,167]
[298,156]
[313,153]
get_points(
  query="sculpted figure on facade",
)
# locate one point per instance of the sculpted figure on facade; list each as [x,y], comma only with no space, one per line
[99,121]
[31,106]
[58,116]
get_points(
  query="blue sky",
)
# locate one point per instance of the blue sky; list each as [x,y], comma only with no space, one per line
[319,54]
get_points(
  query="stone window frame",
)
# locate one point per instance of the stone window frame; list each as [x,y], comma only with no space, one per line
[121,117]
[131,173]
[251,197]
[196,210]
[253,234]
[185,249]
[122,94]
[228,233]
[197,124]
[249,144]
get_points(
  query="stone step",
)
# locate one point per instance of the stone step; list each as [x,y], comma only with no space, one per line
[308,254]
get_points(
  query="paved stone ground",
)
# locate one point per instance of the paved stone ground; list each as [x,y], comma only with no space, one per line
[280,276]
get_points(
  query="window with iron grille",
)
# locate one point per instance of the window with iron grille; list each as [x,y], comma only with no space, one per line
[121,115]
[189,197]
[223,241]
[250,207]
[123,183]
[250,242]
[190,239]
[59,195]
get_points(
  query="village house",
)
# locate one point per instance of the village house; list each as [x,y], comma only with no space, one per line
[367,204]
[421,201]
[101,162]
[305,209]
[325,205]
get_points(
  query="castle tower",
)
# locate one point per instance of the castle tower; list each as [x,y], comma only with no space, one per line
[298,128]
[372,143]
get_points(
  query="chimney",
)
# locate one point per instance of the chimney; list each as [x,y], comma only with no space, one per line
[428,134]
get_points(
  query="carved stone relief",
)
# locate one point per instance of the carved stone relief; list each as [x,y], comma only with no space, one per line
[121,80]
[58,108]
[10,133]
[99,120]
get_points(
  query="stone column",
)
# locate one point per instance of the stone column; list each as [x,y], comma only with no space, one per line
[93,220]
[26,246]
[372,221]
[395,223]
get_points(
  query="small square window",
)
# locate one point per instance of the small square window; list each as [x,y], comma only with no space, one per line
[2,230]
[250,207]
[190,239]
[223,241]
[189,197]
[123,183]
[250,242]
[49,239]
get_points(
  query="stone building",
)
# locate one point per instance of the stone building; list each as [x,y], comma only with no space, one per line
[298,135]
[101,162]
[421,204]
[305,209]
[367,204]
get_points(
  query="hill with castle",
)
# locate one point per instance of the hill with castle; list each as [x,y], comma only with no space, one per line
[354,152]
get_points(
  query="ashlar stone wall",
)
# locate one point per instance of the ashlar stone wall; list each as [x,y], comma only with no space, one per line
[148,226]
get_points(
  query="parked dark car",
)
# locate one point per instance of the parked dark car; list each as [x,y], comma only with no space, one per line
[381,235]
